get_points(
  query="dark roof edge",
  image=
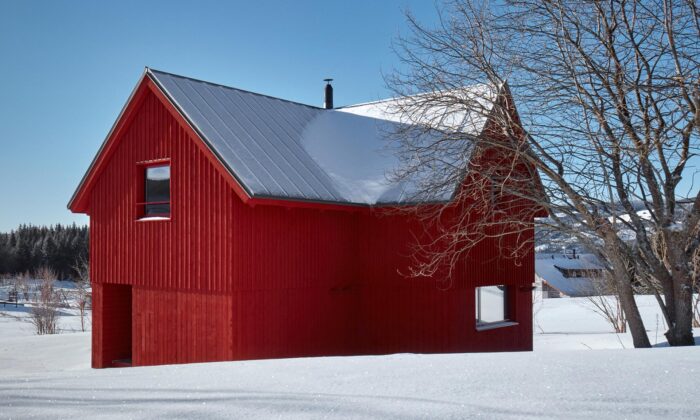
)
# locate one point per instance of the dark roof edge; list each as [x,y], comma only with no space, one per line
[104,142]
[193,126]
[233,88]
[351,203]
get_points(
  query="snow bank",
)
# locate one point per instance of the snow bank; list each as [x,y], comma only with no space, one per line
[48,376]
[593,384]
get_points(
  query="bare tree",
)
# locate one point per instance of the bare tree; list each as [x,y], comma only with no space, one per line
[82,284]
[606,303]
[45,273]
[608,119]
[44,314]
[21,285]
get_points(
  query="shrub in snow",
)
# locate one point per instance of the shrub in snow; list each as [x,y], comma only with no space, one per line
[44,314]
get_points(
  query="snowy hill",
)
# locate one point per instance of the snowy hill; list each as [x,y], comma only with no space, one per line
[48,376]
[551,240]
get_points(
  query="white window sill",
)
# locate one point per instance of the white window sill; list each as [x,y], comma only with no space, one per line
[152,219]
[494,325]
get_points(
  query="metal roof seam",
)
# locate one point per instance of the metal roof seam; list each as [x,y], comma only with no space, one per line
[228,146]
[188,120]
[325,183]
[152,70]
[304,165]
[276,162]
[226,127]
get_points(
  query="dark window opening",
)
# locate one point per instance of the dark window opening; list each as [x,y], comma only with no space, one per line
[580,272]
[157,191]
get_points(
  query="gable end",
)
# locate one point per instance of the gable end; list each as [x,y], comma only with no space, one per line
[79,202]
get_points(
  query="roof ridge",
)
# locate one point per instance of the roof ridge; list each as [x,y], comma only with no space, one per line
[398,98]
[368,103]
[152,70]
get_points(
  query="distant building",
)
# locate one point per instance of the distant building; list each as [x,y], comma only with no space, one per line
[567,275]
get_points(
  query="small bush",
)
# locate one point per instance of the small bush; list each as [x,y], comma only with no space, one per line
[44,315]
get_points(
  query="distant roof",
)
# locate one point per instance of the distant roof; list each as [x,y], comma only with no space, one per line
[283,149]
[546,268]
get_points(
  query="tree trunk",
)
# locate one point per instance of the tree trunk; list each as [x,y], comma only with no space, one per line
[634,319]
[680,333]
[629,305]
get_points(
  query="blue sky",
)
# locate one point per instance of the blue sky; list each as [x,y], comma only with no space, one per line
[67,68]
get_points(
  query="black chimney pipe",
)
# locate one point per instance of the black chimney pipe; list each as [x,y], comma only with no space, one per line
[328,102]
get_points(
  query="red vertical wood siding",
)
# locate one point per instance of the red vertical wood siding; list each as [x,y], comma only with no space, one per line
[426,315]
[223,280]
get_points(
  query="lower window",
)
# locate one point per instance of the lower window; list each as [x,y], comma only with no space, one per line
[491,304]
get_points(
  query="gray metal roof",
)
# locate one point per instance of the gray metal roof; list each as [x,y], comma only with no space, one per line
[283,149]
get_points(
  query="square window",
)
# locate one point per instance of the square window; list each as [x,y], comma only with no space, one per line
[157,191]
[491,304]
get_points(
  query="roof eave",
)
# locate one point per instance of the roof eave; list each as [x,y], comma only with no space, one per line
[149,81]
[73,203]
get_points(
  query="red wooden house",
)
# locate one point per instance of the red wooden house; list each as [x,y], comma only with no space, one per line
[228,225]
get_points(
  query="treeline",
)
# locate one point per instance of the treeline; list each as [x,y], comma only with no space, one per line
[29,248]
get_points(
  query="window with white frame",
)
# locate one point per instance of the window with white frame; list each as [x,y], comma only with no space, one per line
[491,304]
[157,191]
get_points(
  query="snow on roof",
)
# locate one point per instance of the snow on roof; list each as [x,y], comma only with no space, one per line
[546,269]
[643,214]
[283,149]
[421,108]
[351,151]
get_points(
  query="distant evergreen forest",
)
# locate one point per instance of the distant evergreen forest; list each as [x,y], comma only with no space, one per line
[58,247]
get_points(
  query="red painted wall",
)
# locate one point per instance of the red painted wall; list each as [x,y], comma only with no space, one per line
[223,280]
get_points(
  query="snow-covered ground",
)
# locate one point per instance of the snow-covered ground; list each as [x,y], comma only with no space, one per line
[571,324]
[578,370]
